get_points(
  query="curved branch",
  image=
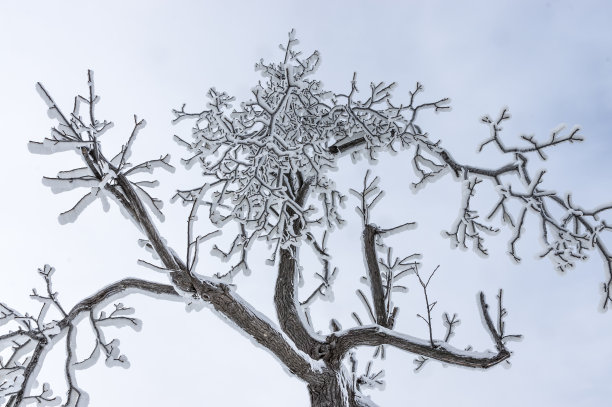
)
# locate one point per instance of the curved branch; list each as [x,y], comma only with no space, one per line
[113,289]
[234,308]
[341,148]
[376,336]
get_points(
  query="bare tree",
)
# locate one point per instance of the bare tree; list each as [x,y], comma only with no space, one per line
[265,169]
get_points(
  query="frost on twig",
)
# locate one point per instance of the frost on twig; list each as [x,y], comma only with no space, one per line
[449,322]
[110,177]
[567,231]
[258,155]
[256,158]
[467,227]
[80,131]
[426,168]
[324,289]
[429,305]
[382,282]
[532,144]
[26,338]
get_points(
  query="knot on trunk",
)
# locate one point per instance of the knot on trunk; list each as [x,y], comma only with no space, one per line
[326,350]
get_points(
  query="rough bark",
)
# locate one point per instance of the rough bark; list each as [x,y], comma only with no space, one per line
[285,292]
[334,389]
[257,326]
[286,305]
[376,285]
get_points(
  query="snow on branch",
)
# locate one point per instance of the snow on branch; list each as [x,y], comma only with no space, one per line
[467,227]
[533,145]
[30,337]
[440,350]
[566,238]
[80,132]
[108,178]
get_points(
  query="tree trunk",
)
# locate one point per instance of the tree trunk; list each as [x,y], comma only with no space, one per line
[330,393]
[334,389]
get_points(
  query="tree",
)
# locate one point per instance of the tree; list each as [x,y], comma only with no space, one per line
[267,177]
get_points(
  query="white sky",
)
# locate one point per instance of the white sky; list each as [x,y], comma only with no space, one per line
[550,62]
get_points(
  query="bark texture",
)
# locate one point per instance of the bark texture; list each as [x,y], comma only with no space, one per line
[334,389]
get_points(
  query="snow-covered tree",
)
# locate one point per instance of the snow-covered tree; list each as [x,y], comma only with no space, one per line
[267,177]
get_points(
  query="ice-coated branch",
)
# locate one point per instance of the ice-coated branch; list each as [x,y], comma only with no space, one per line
[534,145]
[383,313]
[395,268]
[46,273]
[428,305]
[369,195]
[241,244]
[562,244]
[450,325]
[112,179]
[467,227]
[218,294]
[38,338]
[425,167]
[20,394]
[497,334]
[126,149]
[374,275]
[344,341]
[584,235]
[327,277]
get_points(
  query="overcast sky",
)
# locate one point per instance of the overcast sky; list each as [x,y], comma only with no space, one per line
[549,62]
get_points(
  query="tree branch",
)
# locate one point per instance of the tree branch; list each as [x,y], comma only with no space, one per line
[441,351]
[374,277]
